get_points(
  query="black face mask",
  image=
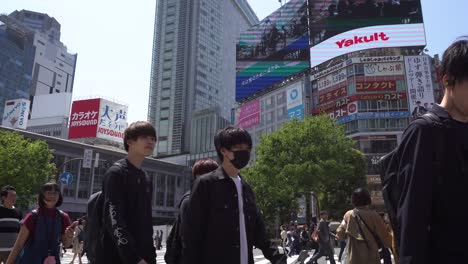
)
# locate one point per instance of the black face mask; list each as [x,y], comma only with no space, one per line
[241,158]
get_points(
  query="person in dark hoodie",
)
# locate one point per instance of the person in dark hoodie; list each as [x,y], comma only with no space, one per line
[127,190]
[434,172]
[176,255]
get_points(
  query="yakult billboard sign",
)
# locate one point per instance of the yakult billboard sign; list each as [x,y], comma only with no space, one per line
[98,118]
[340,27]
[16,113]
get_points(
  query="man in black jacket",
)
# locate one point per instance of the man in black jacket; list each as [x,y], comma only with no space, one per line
[223,222]
[127,194]
[435,179]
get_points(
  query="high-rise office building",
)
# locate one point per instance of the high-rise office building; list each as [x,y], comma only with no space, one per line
[49,70]
[193,66]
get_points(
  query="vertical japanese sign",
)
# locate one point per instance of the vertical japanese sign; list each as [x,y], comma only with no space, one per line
[84,118]
[16,113]
[112,120]
[419,80]
[87,158]
[248,115]
[294,103]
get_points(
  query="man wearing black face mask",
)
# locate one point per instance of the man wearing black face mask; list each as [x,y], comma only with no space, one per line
[223,221]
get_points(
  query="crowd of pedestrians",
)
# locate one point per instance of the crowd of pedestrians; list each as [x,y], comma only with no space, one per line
[219,221]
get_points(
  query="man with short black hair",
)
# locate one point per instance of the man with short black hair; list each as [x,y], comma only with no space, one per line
[127,191]
[10,219]
[325,248]
[434,172]
[223,222]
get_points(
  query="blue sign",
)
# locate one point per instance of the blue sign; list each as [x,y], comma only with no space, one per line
[66,178]
[294,94]
[372,115]
[296,113]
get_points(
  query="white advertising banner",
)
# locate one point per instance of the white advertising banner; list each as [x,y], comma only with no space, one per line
[16,113]
[419,79]
[87,158]
[112,120]
[386,36]
[331,79]
[383,69]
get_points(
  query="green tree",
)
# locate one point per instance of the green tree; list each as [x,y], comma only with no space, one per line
[25,164]
[303,156]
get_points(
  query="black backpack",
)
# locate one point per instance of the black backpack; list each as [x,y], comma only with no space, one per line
[389,173]
[95,225]
[173,241]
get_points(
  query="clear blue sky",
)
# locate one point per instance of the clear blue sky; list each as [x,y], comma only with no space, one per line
[113,39]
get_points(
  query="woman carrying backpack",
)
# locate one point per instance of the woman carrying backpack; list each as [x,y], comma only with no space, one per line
[43,229]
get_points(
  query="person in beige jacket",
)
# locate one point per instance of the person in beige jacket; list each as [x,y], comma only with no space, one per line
[361,245]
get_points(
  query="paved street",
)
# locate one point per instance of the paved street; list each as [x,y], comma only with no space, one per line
[258,258]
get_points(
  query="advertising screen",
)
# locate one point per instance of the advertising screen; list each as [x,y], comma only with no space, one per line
[338,27]
[84,118]
[272,50]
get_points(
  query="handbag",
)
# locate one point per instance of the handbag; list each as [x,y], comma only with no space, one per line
[383,251]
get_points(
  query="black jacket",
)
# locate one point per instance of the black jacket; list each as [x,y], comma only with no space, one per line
[432,208]
[211,227]
[128,221]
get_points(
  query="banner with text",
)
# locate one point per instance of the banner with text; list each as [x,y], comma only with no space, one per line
[16,113]
[248,115]
[419,79]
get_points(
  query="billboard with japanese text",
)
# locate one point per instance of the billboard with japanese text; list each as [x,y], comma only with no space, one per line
[376,86]
[339,27]
[112,121]
[419,80]
[16,113]
[84,118]
[98,118]
[273,50]
[248,115]
[294,101]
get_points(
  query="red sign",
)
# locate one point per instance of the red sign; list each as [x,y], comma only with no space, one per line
[332,95]
[84,118]
[375,86]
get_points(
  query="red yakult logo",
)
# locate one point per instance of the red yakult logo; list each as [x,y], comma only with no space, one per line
[364,39]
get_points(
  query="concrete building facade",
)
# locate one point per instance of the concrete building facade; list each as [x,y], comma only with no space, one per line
[193,66]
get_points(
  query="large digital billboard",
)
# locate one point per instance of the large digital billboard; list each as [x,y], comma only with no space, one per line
[338,27]
[273,50]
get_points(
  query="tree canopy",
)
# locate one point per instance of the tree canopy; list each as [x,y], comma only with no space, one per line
[311,155]
[24,164]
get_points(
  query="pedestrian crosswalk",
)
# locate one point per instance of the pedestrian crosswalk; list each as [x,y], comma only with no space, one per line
[258,259]
[67,258]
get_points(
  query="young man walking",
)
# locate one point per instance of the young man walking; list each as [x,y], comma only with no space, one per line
[9,221]
[325,248]
[434,172]
[223,223]
[127,194]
